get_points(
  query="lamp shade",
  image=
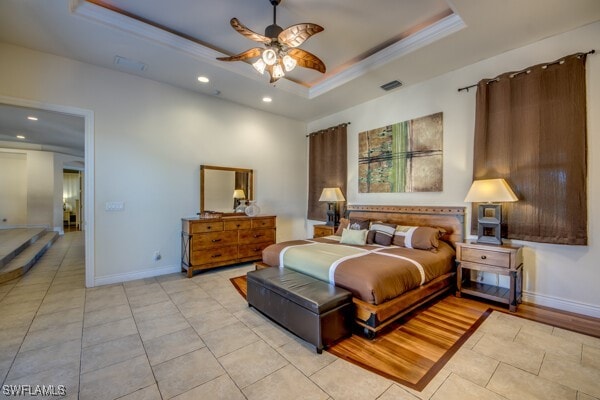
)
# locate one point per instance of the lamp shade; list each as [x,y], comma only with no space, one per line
[331,195]
[490,190]
[239,194]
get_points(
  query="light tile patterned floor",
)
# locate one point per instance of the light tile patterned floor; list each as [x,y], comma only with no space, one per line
[173,337]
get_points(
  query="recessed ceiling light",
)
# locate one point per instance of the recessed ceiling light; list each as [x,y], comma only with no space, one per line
[20,137]
[32,118]
[203,79]
[267,99]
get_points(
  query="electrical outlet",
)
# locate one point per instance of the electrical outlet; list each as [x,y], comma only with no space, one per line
[157,255]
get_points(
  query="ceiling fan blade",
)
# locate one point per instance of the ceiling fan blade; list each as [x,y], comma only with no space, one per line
[307,60]
[254,52]
[295,35]
[237,25]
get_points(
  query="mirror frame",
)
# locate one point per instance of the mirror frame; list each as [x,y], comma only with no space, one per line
[249,195]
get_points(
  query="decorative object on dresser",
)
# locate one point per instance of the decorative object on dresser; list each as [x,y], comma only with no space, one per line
[332,196]
[504,260]
[253,209]
[322,230]
[214,242]
[490,192]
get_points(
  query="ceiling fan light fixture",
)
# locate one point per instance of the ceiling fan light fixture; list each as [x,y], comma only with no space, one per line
[269,56]
[260,65]
[289,63]
[278,71]
[281,50]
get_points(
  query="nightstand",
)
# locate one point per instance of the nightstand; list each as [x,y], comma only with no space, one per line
[323,230]
[503,259]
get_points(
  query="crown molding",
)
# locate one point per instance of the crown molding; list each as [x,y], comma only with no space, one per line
[436,31]
[84,9]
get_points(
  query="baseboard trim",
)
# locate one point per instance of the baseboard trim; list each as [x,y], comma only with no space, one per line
[562,304]
[132,276]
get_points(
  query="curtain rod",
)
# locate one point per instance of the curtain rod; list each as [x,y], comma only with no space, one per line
[326,129]
[475,85]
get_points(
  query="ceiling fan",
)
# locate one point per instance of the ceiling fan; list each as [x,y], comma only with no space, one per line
[280,53]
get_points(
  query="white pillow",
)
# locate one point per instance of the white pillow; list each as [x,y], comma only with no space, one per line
[354,236]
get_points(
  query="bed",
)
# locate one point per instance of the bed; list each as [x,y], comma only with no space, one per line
[386,281]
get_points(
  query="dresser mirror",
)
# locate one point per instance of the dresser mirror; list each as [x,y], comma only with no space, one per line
[223,189]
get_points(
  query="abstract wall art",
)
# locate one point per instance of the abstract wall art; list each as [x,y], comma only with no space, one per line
[403,157]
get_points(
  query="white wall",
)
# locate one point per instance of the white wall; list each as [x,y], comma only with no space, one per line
[40,188]
[149,141]
[38,180]
[564,277]
[13,188]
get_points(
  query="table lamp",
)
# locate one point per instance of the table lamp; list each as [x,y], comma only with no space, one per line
[332,196]
[238,195]
[489,193]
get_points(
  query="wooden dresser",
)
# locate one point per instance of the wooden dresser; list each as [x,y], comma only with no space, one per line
[214,242]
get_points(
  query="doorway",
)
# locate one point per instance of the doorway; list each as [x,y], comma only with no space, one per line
[72,196]
[87,187]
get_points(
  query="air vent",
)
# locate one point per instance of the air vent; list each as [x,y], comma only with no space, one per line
[130,65]
[391,85]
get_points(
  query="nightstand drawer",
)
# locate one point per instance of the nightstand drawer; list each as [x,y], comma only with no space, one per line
[322,231]
[495,258]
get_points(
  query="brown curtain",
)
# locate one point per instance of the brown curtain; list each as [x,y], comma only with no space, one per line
[530,128]
[327,167]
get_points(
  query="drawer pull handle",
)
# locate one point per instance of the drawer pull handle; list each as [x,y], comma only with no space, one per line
[216,255]
[258,249]
[208,227]
[257,236]
[238,225]
[483,257]
[216,240]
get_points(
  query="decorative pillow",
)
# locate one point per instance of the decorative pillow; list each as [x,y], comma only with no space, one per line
[417,237]
[381,233]
[358,224]
[354,236]
[344,222]
[354,224]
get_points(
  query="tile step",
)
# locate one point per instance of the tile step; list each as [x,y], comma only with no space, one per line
[20,264]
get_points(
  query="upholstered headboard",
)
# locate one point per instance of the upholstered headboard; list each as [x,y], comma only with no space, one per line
[452,219]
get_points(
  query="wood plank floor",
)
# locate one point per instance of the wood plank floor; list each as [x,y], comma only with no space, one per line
[412,350]
[562,319]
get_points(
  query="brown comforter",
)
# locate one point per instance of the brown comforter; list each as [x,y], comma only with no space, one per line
[376,276]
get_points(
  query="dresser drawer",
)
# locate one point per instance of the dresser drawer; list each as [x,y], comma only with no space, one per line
[214,255]
[235,225]
[257,236]
[200,227]
[494,258]
[263,223]
[252,250]
[213,239]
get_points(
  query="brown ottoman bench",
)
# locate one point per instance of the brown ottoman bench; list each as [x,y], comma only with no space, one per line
[313,310]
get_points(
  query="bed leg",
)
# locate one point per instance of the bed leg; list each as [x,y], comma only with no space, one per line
[369,334]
